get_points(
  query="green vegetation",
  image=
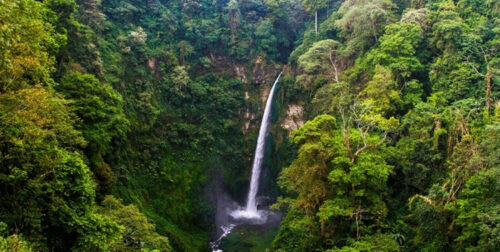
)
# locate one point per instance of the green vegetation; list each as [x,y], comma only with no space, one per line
[115,117]
[398,160]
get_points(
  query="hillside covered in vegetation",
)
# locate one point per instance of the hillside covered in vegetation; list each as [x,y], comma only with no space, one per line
[118,118]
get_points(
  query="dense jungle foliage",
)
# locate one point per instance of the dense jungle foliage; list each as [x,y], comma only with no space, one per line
[116,114]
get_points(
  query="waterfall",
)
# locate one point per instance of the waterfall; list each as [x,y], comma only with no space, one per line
[250,214]
[259,152]
[251,208]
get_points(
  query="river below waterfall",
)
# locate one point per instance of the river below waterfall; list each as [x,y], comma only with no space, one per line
[251,238]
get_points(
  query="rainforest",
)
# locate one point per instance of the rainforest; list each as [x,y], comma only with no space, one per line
[249,125]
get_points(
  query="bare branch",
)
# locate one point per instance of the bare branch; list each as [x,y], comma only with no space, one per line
[473,67]
[367,146]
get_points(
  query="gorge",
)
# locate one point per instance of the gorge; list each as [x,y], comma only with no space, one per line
[152,125]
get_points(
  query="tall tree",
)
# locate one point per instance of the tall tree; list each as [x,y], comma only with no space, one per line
[338,176]
[103,121]
[362,22]
[25,43]
[323,56]
[480,50]
[47,191]
[138,232]
[314,6]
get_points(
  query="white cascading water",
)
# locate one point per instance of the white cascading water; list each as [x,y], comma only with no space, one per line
[225,231]
[250,212]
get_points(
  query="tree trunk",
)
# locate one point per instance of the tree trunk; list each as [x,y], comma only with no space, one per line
[347,142]
[488,88]
[316,21]
[334,65]
[357,226]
